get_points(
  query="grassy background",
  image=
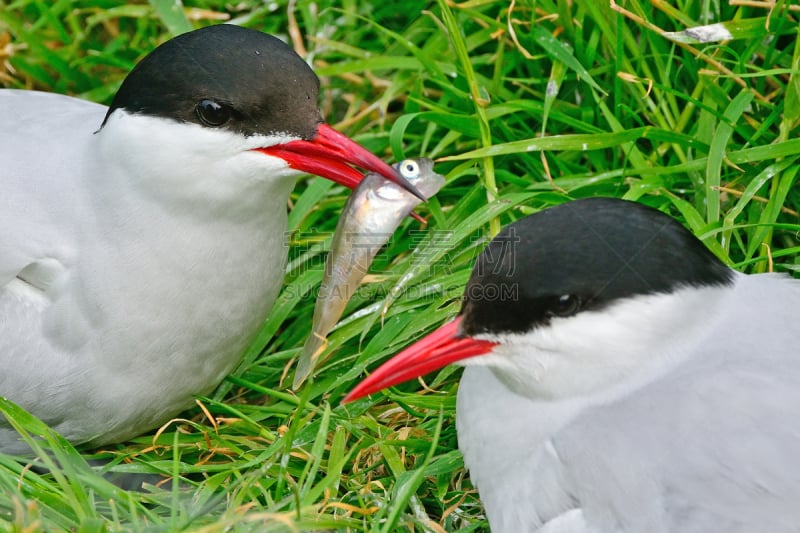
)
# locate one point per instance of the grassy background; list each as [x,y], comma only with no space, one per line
[525,105]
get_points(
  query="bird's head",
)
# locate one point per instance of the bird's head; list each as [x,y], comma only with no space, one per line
[222,109]
[573,299]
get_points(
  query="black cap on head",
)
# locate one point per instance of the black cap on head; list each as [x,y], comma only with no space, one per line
[581,255]
[225,76]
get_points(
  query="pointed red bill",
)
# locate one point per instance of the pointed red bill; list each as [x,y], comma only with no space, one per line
[439,349]
[330,153]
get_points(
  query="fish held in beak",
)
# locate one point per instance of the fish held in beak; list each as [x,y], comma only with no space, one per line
[372,214]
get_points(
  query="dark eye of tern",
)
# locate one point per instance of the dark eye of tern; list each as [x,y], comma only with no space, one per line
[213,113]
[566,305]
[409,169]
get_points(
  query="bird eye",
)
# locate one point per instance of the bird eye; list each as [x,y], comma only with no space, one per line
[409,169]
[566,305]
[212,113]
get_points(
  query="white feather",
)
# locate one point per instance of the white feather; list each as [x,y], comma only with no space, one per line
[665,413]
[136,262]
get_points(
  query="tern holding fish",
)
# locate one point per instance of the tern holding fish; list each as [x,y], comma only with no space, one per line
[372,213]
[142,253]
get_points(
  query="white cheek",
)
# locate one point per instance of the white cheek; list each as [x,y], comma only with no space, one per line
[258,165]
[518,364]
[188,162]
[596,350]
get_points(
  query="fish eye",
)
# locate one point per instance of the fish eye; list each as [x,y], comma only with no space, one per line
[409,168]
[212,113]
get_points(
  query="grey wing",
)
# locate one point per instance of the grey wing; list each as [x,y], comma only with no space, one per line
[43,143]
[43,140]
[710,447]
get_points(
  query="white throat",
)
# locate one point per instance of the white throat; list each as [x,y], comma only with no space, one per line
[187,165]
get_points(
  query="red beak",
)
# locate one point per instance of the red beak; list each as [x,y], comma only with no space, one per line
[439,349]
[328,155]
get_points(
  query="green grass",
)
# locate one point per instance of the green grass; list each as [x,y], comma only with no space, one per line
[524,109]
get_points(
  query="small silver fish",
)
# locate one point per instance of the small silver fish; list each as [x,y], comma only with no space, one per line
[372,213]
